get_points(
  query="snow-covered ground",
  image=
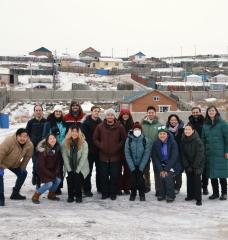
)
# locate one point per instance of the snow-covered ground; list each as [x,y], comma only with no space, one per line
[97,219]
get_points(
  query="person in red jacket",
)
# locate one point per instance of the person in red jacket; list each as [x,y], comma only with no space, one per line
[109,137]
[75,115]
[48,167]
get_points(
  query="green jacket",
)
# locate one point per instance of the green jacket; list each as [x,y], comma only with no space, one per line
[215,139]
[82,156]
[150,129]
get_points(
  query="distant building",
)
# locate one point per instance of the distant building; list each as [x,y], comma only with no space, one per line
[7,78]
[138,58]
[193,78]
[107,63]
[139,101]
[220,78]
[89,54]
[42,52]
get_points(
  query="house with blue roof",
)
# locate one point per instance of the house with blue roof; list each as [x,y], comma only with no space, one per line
[42,52]
[138,58]
[140,100]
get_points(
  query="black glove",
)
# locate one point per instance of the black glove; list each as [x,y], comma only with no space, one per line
[197,171]
[55,131]
[188,170]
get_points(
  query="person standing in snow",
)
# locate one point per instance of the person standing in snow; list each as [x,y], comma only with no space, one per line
[166,163]
[48,167]
[193,159]
[35,127]
[75,156]
[15,153]
[197,121]
[88,128]
[125,118]
[215,139]
[75,115]
[57,126]
[137,152]
[176,127]
[150,126]
[109,137]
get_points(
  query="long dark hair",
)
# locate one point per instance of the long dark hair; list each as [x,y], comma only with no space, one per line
[217,115]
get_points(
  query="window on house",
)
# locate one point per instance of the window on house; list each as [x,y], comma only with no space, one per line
[156,98]
[164,108]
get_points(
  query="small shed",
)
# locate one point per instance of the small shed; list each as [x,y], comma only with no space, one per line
[220,78]
[193,78]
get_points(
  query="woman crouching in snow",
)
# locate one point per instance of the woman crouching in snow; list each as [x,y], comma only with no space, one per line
[48,168]
[75,157]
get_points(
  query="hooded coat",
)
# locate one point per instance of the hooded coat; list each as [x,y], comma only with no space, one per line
[137,155]
[13,155]
[48,162]
[215,139]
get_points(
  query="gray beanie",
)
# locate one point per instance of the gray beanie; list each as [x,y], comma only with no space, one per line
[110,110]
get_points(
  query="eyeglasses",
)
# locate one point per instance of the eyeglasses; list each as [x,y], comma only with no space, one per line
[161,127]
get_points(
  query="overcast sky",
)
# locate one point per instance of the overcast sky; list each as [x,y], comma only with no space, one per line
[157,28]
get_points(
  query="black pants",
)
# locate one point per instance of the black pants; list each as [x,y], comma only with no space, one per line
[194,186]
[137,182]
[74,183]
[166,186]
[178,181]
[109,177]
[147,175]
[92,158]
[215,186]
[61,174]
[204,180]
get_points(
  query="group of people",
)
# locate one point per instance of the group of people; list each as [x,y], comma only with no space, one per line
[122,151]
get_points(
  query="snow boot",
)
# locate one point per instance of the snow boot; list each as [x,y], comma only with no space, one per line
[16,195]
[35,198]
[52,196]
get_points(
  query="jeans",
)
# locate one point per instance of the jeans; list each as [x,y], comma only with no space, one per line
[52,186]
[21,176]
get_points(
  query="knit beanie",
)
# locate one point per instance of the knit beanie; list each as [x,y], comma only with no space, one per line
[110,111]
[57,108]
[162,129]
[137,125]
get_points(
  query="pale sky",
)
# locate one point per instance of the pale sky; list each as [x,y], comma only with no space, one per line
[157,28]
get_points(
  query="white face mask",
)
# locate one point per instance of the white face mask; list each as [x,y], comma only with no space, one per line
[137,132]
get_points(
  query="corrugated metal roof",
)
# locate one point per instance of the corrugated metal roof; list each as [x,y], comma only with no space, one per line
[134,96]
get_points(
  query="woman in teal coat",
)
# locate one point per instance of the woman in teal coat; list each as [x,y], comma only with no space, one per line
[215,139]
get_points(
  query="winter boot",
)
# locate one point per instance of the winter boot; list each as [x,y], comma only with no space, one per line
[16,195]
[214,196]
[52,196]
[35,198]
[2,199]
[223,197]
[78,200]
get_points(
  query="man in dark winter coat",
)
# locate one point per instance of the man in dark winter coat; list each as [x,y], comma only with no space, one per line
[88,127]
[109,137]
[35,128]
[15,153]
[197,121]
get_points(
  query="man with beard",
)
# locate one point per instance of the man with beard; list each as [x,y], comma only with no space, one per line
[197,120]
[75,115]
[109,137]
[88,128]
[35,128]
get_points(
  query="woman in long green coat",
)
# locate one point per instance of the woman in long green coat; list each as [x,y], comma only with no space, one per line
[215,139]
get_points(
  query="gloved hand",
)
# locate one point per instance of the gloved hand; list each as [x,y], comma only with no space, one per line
[55,131]
[1,172]
[188,170]
[197,171]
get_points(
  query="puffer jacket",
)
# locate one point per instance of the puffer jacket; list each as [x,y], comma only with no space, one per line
[137,151]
